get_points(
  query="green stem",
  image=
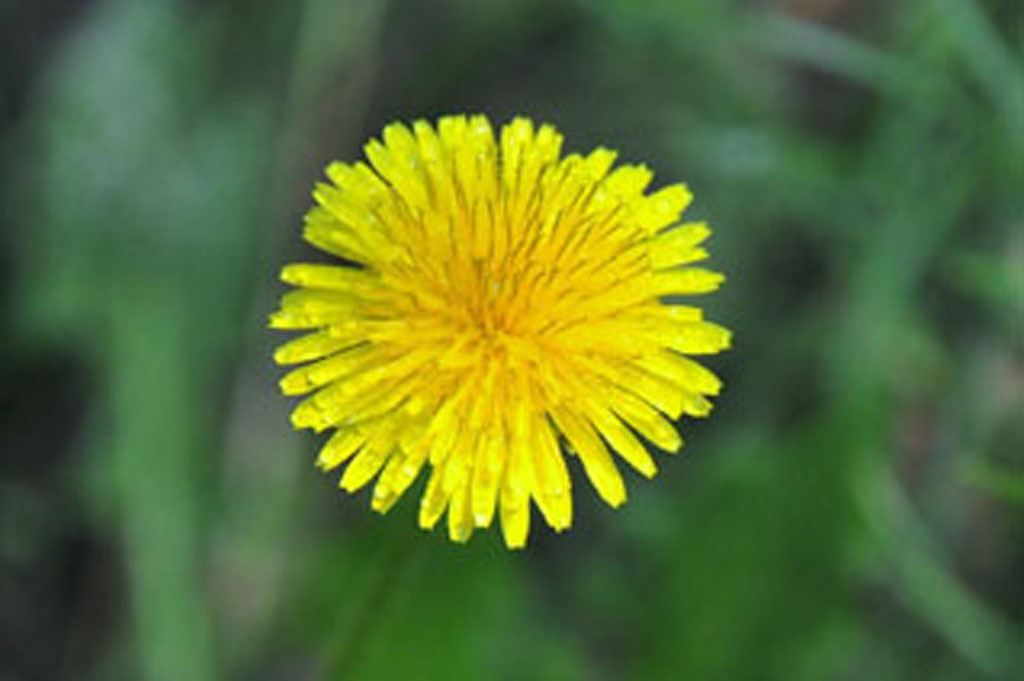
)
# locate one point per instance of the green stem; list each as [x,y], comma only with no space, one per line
[343,659]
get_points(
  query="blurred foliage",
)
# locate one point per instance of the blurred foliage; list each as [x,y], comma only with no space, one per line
[853,510]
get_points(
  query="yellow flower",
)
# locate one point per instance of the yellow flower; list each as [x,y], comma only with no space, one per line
[496,308]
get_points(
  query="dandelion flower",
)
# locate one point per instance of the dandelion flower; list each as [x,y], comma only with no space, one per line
[496,309]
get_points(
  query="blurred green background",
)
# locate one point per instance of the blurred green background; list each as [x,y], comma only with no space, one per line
[854,509]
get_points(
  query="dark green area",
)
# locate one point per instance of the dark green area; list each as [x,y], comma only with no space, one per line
[854,509]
